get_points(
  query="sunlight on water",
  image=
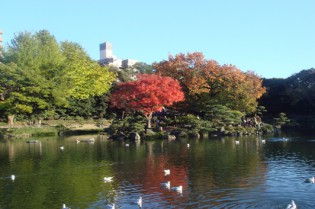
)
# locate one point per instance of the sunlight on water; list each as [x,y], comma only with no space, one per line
[214,173]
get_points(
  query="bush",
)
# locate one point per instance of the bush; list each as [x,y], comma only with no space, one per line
[266,128]
[155,136]
[127,125]
[190,121]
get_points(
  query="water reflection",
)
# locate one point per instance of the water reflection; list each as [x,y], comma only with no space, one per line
[213,173]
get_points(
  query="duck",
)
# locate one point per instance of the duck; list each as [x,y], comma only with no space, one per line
[32,141]
[108,179]
[263,141]
[166,185]
[111,206]
[62,148]
[310,180]
[12,177]
[188,145]
[140,202]
[167,172]
[65,207]
[178,189]
[237,142]
[90,140]
[127,145]
[292,205]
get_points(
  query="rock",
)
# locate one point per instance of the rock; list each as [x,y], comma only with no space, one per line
[171,137]
[134,136]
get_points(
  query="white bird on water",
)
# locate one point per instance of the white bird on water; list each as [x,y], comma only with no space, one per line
[62,147]
[188,145]
[140,202]
[292,205]
[263,141]
[237,142]
[178,189]
[64,206]
[166,185]
[111,206]
[12,177]
[108,179]
[310,180]
[167,172]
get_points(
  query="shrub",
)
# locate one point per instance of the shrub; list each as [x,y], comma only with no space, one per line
[127,125]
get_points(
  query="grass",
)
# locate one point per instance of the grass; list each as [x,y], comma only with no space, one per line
[32,131]
[52,127]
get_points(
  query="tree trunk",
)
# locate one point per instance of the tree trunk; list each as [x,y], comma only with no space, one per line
[149,118]
[11,120]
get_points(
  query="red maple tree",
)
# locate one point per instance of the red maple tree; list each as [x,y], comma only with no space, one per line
[148,94]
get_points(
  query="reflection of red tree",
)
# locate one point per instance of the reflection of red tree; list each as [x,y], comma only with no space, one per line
[153,175]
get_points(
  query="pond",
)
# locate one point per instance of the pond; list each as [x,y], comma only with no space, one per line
[214,173]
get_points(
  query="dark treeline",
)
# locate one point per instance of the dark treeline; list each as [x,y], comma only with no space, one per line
[294,96]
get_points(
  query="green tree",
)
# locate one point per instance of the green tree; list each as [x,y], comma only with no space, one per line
[29,70]
[85,78]
[220,115]
[143,68]
[38,75]
[281,120]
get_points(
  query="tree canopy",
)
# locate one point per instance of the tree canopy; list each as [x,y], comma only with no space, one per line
[148,94]
[294,96]
[205,81]
[38,74]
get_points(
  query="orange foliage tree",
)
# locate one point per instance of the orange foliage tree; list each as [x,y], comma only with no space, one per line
[148,94]
[208,82]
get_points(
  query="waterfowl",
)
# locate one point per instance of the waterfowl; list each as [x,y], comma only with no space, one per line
[108,179]
[62,147]
[64,206]
[166,184]
[12,177]
[127,145]
[178,189]
[167,172]
[263,141]
[310,180]
[292,205]
[140,202]
[111,206]
[32,141]
[237,142]
[188,145]
[86,140]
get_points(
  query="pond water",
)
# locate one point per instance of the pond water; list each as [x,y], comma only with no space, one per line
[214,173]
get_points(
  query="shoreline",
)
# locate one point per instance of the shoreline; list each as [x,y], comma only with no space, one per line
[52,128]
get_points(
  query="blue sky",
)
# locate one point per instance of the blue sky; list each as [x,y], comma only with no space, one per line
[274,38]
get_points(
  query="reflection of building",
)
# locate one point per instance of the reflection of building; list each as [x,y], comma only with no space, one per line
[107,57]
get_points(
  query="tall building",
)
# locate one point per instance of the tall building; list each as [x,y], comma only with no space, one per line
[107,57]
[106,50]
[128,63]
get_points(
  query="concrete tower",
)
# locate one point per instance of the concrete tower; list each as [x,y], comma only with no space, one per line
[106,51]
